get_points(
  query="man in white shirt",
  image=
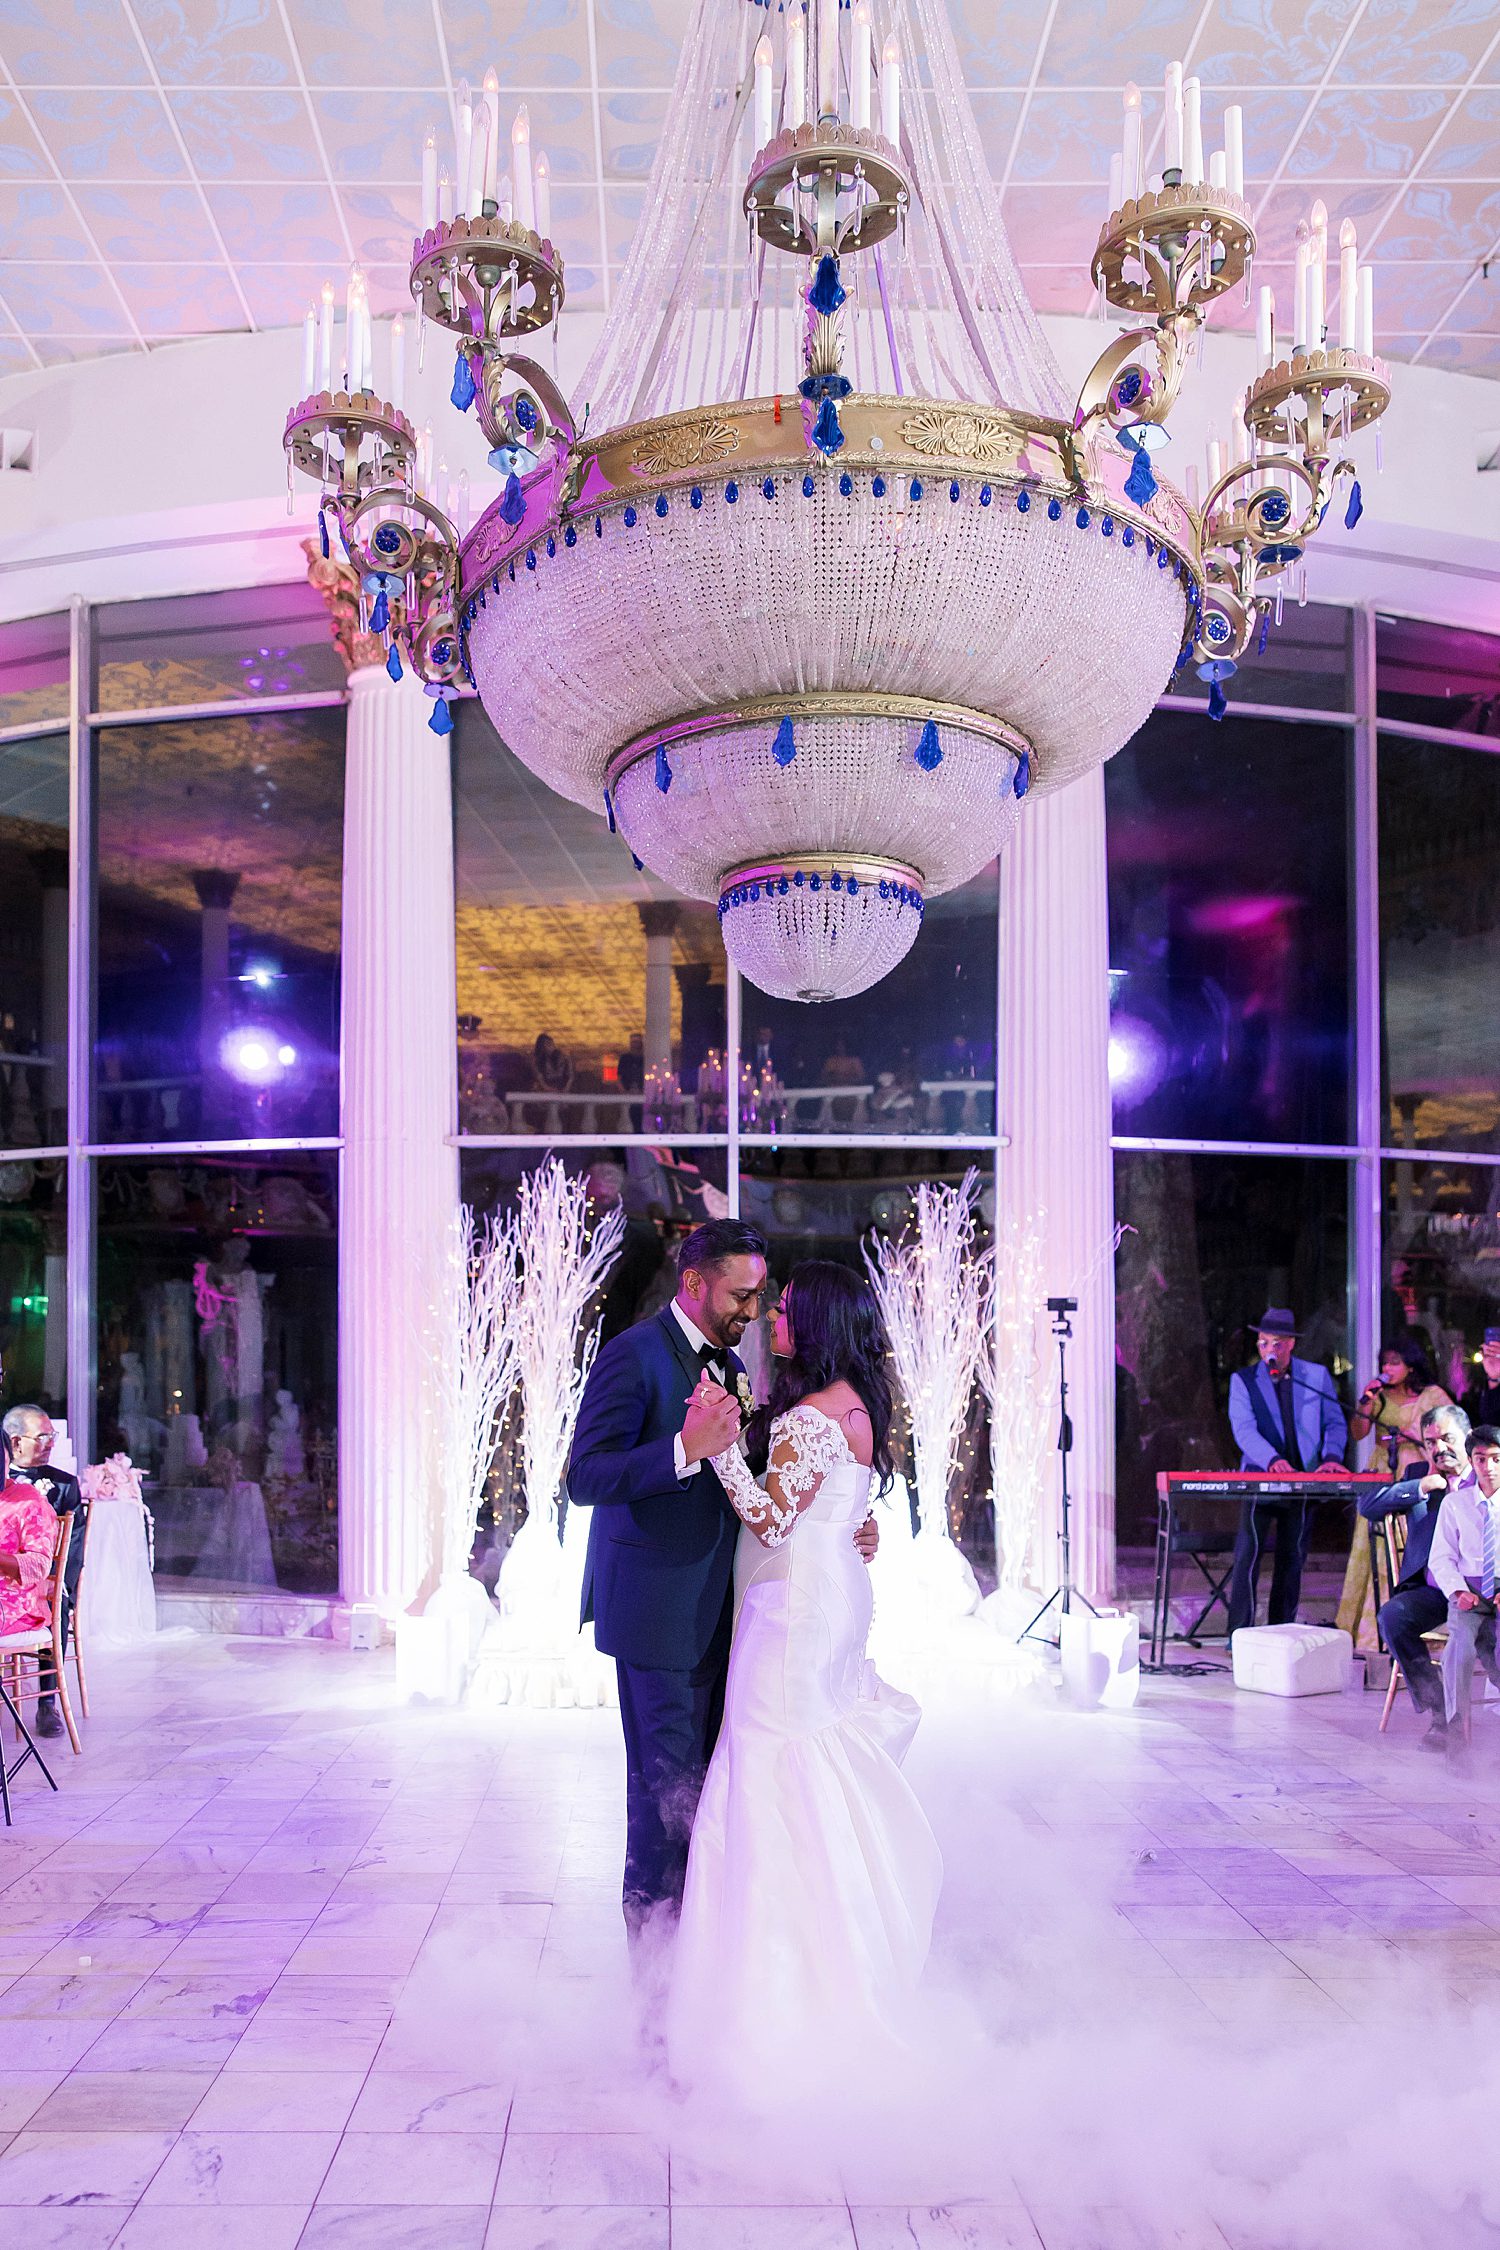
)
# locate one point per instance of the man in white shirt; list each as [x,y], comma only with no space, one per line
[1465,1546]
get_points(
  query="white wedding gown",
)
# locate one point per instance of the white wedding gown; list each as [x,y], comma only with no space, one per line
[813,1875]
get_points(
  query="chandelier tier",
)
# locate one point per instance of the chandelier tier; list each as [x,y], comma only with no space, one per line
[832,571]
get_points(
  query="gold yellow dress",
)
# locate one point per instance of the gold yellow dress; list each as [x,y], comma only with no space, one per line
[1399,1418]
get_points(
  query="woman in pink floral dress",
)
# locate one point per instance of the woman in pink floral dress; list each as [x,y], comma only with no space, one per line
[28,1534]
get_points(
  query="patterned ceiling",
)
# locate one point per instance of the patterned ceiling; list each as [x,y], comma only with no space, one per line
[171,168]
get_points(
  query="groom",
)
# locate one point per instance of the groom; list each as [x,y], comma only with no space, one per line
[659,1581]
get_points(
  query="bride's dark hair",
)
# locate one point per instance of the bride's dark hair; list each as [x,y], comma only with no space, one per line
[837,1336]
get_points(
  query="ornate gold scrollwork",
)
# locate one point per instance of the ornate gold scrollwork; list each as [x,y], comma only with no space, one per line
[684,446]
[988,440]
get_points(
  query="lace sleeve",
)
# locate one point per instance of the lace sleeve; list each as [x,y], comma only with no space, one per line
[805,1445]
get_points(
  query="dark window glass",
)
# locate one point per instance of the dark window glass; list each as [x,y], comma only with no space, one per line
[34,671]
[827,1203]
[1442,1264]
[204,648]
[1229,977]
[1440,943]
[914,1054]
[1214,1240]
[220,872]
[590,997]
[1304,666]
[34,942]
[33,1283]
[218,1363]
[1437,675]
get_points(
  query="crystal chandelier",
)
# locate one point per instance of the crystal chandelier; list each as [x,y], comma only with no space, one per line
[832,569]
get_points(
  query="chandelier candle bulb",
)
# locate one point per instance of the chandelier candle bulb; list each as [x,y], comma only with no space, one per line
[507,198]
[763,91]
[1348,287]
[1234,149]
[481,162]
[1317,275]
[1172,153]
[398,360]
[492,135]
[794,105]
[462,171]
[861,66]
[1133,178]
[1366,299]
[520,168]
[1299,296]
[828,58]
[1215,461]
[309,352]
[429,183]
[543,177]
[1117,190]
[1192,129]
[325,338]
[890,90]
[1218,169]
[463,504]
[445,196]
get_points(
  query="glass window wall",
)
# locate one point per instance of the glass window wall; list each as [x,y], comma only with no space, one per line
[33,1282]
[1229,934]
[215,648]
[1437,675]
[915,1054]
[35,669]
[591,1000]
[218,1363]
[1440,943]
[34,942]
[220,884]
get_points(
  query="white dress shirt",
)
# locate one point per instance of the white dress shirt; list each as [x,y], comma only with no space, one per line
[1457,1556]
[696,1339]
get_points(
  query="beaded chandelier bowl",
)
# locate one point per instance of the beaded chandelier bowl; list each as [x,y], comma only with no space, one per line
[832,571]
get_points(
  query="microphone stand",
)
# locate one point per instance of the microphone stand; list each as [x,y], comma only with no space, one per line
[1065,1593]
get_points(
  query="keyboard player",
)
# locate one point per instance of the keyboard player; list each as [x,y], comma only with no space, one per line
[1286,1420]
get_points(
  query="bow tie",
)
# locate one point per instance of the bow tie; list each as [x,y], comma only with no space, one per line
[708,1354]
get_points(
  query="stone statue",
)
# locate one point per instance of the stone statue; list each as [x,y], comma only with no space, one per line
[284,1455]
[135,1422]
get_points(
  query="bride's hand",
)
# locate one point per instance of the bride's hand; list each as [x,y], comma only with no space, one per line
[712,1423]
[867,1538]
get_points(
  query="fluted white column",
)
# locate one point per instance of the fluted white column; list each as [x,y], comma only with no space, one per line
[400,1175]
[1055,1107]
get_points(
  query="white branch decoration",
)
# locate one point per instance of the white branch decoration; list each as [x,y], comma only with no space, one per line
[562,1268]
[932,1291]
[478,1370]
[1014,1374]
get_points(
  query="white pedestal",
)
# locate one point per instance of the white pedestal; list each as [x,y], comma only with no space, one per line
[1101,1658]
[1292,1659]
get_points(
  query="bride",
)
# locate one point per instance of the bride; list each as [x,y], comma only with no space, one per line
[813,1875]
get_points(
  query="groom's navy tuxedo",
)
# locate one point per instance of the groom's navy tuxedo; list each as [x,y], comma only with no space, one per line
[658,1586]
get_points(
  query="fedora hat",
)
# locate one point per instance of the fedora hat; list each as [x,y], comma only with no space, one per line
[1276,1320]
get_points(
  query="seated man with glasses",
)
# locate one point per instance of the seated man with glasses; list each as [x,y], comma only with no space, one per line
[1464,1548]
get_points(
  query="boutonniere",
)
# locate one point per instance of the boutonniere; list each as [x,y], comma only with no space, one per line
[744,1393]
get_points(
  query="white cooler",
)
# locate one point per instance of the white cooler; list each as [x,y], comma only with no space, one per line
[1292,1659]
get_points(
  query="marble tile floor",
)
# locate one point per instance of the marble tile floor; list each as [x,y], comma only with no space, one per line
[286,1964]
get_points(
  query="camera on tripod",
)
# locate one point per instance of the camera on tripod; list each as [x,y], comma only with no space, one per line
[1060,1307]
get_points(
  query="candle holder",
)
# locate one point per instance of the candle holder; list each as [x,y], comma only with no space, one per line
[487,277]
[823,166]
[1317,399]
[1173,249]
[349,442]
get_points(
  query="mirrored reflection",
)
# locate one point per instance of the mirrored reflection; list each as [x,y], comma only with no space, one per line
[33,1283]
[1228,887]
[220,884]
[829,1203]
[664,1193]
[1442,1271]
[1440,943]
[218,1363]
[1437,675]
[34,671]
[34,942]
[1306,664]
[590,997]
[1214,1240]
[914,1054]
[206,648]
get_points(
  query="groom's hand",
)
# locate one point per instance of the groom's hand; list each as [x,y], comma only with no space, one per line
[867,1538]
[713,1421]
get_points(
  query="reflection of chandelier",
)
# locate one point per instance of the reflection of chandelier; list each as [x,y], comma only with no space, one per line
[835,572]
